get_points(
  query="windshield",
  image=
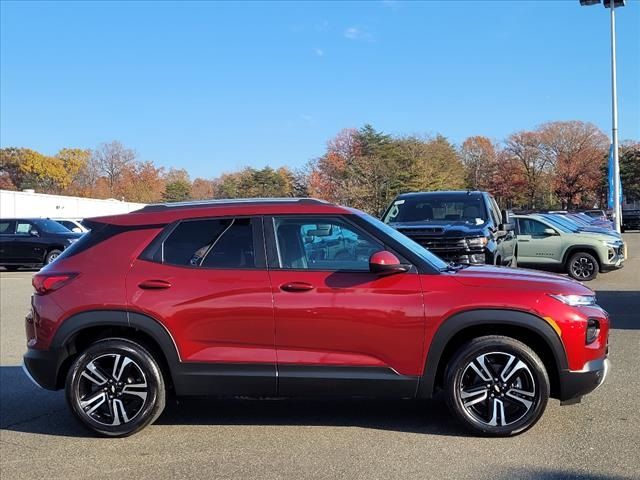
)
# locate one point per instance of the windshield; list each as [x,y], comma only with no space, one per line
[416,248]
[50,226]
[469,208]
[566,226]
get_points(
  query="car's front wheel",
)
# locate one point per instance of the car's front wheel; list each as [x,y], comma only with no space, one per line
[115,387]
[496,386]
[583,266]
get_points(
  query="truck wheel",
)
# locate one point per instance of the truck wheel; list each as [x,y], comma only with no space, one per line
[496,386]
[115,388]
[583,266]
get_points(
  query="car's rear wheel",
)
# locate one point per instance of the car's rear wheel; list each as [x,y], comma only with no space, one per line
[496,386]
[51,256]
[583,266]
[115,388]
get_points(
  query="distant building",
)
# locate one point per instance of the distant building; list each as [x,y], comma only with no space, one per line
[31,204]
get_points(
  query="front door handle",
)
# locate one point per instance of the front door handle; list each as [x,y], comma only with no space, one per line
[154,284]
[522,240]
[296,287]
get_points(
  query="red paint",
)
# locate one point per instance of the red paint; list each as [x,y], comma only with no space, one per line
[296,317]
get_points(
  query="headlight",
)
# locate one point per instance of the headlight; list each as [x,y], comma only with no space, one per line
[477,241]
[611,244]
[576,300]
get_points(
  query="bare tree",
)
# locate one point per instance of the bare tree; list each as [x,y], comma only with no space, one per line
[111,161]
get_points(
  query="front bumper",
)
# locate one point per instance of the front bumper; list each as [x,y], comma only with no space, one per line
[575,384]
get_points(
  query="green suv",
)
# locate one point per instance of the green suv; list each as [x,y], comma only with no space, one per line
[547,244]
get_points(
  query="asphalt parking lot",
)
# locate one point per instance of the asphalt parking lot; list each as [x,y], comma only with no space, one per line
[243,439]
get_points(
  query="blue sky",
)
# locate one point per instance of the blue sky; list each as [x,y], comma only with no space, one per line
[212,87]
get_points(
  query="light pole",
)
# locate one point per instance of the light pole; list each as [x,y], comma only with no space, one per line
[613,4]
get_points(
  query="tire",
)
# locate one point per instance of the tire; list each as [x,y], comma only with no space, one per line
[583,266]
[51,256]
[103,400]
[506,407]
[12,268]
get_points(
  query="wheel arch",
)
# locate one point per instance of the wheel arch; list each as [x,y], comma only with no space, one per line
[573,249]
[82,329]
[461,327]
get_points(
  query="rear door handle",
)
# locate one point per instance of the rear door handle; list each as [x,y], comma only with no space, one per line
[296,287]
[154,284]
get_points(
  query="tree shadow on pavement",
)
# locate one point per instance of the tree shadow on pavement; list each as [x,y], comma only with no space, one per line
[26,408]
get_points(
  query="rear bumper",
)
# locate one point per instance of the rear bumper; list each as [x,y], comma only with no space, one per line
[575,384]
[42,367]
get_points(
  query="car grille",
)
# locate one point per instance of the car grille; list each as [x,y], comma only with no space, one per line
[444,247]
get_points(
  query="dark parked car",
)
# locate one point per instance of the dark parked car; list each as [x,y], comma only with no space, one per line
[298,297]
[458,226]
[32,242]
[630,220]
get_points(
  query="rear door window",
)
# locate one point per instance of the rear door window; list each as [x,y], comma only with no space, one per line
[23,227]
[7,227]
[211,243]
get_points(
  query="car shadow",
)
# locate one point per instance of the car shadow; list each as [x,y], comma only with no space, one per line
[34,269]
[524,473]
[27,408]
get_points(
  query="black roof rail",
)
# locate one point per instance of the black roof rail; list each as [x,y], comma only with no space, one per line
[154,207]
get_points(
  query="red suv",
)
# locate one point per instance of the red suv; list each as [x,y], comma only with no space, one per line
[300,297]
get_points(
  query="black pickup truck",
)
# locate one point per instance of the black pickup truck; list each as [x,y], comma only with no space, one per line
[458,226]
[630,220]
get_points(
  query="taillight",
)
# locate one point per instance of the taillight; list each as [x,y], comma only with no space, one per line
[45,283]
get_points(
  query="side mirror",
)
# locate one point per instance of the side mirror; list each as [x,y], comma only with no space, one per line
[76,230]
[550,231]
[34,233]
[386,263]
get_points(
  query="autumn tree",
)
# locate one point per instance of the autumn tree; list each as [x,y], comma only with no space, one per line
[327,176]
[202,189]
[525,148]
[75,162]
[142,182]
[479,158]
[25,168]
[576,152]
[507,182]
